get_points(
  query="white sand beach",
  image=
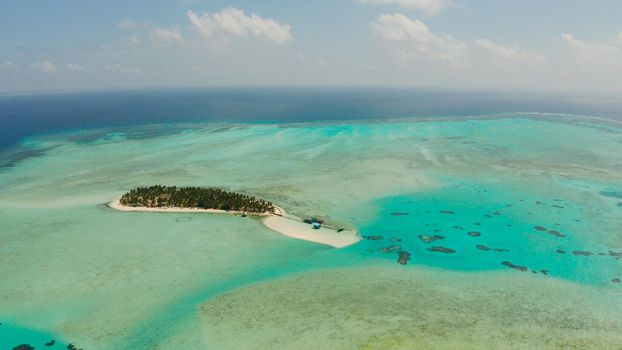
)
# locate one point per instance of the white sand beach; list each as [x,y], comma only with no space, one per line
[281,222]
[118,206]
[293,226]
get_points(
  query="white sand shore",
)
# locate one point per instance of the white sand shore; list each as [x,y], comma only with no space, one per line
[286,224]
[118,206]
[292,226]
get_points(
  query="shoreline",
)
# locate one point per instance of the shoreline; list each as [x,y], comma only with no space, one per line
[283,223]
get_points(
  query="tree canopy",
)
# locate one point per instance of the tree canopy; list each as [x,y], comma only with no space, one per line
[159,196]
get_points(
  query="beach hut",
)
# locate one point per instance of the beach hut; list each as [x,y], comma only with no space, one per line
[317,225]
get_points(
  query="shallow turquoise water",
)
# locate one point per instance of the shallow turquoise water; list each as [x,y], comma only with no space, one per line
[109,280]
[12,336]
[502,221]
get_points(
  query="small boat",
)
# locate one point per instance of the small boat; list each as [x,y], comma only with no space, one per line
[340,229]
[307,221]
[316,225]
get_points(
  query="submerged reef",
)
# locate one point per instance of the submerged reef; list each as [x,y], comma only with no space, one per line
[515,267]
[486,248]
[429,239]
[23,347]
[439,249]
[390,248]
[582,253]
[374,238]
[403,257]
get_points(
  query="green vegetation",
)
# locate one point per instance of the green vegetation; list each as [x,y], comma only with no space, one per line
[194,197]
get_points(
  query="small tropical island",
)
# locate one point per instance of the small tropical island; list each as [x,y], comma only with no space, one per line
[159,196]
[174,199]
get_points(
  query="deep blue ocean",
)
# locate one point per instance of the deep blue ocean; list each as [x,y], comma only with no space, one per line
[35,114]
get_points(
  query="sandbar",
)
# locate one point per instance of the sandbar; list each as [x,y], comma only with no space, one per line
[281,222]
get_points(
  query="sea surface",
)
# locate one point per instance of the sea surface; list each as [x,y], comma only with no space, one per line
[505,213]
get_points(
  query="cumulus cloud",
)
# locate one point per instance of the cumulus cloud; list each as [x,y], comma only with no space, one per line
[509,54]
[120,69]
[74,67]
[134,39]
[593,54]
[163,36]
[45,67]
[429,7]
[231,23]
[127,24]
[420,41]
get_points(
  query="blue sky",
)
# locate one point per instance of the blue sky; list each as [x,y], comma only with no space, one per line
[459,44]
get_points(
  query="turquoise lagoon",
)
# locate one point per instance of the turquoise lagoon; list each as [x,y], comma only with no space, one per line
[542,193]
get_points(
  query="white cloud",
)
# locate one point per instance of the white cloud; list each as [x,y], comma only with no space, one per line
[163,36]
[74,67]
[45,67]
[593,54]
[134,39]
[232,22]
[127,24]
[117,68]
[509,54]
[429,7]
[420,40]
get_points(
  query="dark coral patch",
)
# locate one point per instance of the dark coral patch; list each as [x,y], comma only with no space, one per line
[474,234]
[487,248]
[50,343]
[458,227]
[612,194]
[374,238]
[581,252]
[616,280]
[390,248]
[515,267]
[428,239]
[447,212]
[540,228]
[439,249]
[556,233]
[396,239]
[399,213]
[23,347]
[403,257]
[560,251]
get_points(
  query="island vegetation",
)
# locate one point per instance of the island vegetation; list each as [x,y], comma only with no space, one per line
[159,196]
